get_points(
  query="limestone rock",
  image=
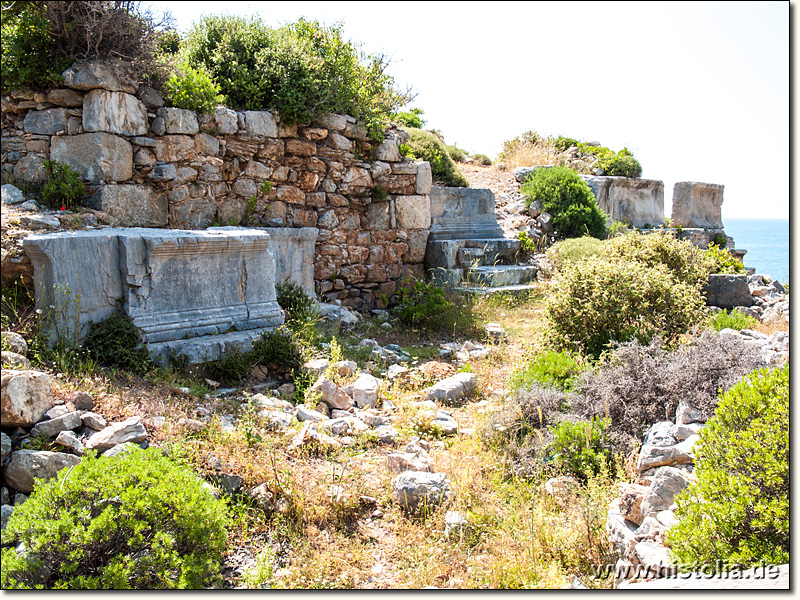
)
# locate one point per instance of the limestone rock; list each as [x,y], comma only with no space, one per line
[94,421]
[227,121]
[728,291]
[388,151]
[365,391]
[424,178]
[65,97]
[114,112]
[96,156]
[304,413]
[656,456]
[46,122]
[345,425]
[419,491]
[330,393]
[686,414]
[179,121]
[453,388]
[11,195]
[630,502]
[659,434]
[260,122]
[621,531]
[455,524]
[660,494]
[27,465]
[134,206]
[26,397]
[15,361]
[5,448]
[108,74]
[399,462]
[413,212]
[68,439]
[387,434]
[696,204]
[14,342]
[53,427]
[311,440]
[130,430]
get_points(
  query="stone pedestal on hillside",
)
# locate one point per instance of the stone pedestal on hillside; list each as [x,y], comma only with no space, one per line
[180,288]
[640,202]
[696,204]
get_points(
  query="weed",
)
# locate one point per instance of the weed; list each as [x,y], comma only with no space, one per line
[732,320]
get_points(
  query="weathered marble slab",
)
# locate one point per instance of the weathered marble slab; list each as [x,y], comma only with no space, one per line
[293,251]
[463,213]
[696,204]
[637,201]
[174,284]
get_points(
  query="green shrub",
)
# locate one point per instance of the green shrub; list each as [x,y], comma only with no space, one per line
[303,70]
[282,347]
[432,308]
[721,261]
[562,143]
[456,153]
[573,250]
[482,159]
[686,263]
[568,199]
[411,118]
[192,89]
[63,187]
[738,510]
[599,301]
[556,369]
[623,165]
[526,243]
[41,39]
[301,309]
[136,521]
[425,145]
[732,320]
[29,53]
[580,448]
[232,368]
[116,342]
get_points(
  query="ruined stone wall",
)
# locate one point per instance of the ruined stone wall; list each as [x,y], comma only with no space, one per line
[151,166]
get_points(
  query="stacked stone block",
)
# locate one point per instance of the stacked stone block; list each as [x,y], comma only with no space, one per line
[155,166]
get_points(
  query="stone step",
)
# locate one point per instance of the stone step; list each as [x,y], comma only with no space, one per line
[500,275]
[451,254]
[503,289]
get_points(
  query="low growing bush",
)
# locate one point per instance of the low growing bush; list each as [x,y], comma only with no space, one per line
[580,448]
[600,301]
[116,342]
[425,145]
[433,308]
[568,199]
[732,320]
[642,384]
[721,261]
[192,88]
[482,159]
[738,511]
[573,250]
[301,309]
[134,521]
[555,369]
[686,263]
[63,187]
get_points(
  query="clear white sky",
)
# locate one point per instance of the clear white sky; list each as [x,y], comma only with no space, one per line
[698,91]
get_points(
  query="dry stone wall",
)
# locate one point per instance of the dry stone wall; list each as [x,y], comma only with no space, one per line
[154,166]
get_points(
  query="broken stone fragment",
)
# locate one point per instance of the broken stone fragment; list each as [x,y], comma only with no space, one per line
[130,430]
[26,466]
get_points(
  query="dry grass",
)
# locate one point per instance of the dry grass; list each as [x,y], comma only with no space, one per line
[524,154]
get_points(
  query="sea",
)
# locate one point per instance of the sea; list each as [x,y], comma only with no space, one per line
[766,242]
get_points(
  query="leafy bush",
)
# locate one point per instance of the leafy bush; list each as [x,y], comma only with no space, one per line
[301,309]
[136,520]
[432,308]
[568,199]
[482,159]
[29,53]
[738,511]
[411,118]
[732,320]
[282,347]
[562,143]
[721,261]
[643,384]
[116,342]
[526,243]
[303,70]
[599,301]
[623,165]
[573,250]
[41,39]
[556,369]
[192,89]
[63,187]
[580,448]
[425,145]
[456,153]
[686,263]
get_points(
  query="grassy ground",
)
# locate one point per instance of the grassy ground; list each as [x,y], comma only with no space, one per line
[330,522]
